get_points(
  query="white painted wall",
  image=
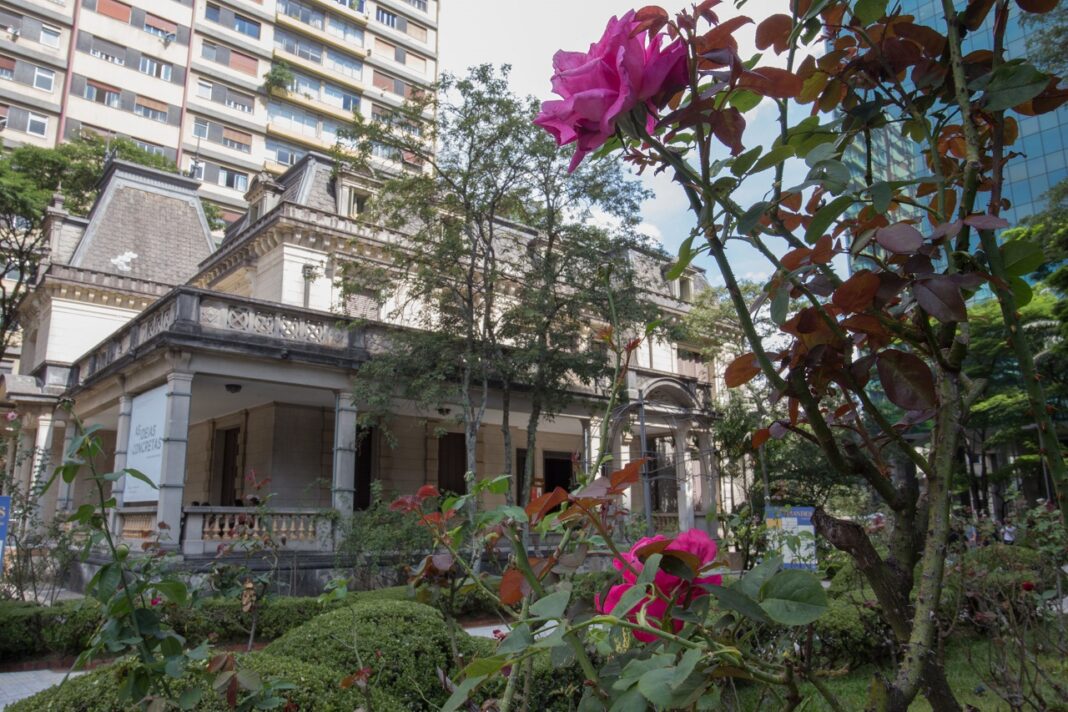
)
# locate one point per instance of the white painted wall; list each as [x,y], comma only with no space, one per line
[68,329]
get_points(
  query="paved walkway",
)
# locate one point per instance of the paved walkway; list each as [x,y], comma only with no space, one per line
[15,686]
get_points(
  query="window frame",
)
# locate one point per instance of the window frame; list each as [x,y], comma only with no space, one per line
[38,72]
[51,30]
[41,118]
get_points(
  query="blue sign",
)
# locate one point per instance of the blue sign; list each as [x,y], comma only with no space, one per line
[790,530]
[5,517]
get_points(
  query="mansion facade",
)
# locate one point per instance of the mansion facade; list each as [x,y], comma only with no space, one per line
[209,367]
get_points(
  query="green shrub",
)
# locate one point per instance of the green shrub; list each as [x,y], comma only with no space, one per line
[989,577]
[585,586]
[552,687]
[852,633]
[28,630]
[317,688]
[847,578]
[404,643]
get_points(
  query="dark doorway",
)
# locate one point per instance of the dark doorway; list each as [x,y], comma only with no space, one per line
[558,470]
[452,463]
[522,487]
[227,449]
[364,468]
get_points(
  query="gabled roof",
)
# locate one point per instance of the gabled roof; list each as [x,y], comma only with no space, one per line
[146,224]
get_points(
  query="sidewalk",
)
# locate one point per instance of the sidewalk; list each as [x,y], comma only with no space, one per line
[15,686]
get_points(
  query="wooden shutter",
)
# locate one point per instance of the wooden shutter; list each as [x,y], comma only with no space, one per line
[417,31]
[152,103]
[3,110]
[160,24]
[238,136]
[244,63]
[381,81]
[7,63]
[383,48]
[114,9]
[101,86]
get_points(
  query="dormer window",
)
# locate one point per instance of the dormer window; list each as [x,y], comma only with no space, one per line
[685,289]
[352,201]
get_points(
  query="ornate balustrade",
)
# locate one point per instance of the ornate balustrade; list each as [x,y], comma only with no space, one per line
[665,522]
[209,530]
[137,524]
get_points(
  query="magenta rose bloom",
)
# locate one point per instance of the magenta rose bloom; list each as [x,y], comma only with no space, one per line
[618,73]
[671,588]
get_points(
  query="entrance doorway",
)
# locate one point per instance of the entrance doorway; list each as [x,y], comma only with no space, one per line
[225,467]
[452,463]
[558,470]
[364,468]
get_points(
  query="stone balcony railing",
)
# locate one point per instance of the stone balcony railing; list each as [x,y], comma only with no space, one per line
[196,315]
[211,530]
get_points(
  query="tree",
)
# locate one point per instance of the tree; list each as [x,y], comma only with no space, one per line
[29,176]
[905,320]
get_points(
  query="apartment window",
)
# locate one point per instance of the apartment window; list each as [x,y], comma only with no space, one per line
[417,4]
[114,9]
[239,101]
[213,12]
[108,52]
[101,94]
[150,147]
[283,153]
[305,86]
[204,88]
[196,170]
[237,140]
[7,68]
[50,36]
[44,79]
[155,68]
[415,62]
[200,128]
[311,51]
[290,118]
[233,179]
[303,13]
[386,17]
[356,5]
[416,32]
[244,63]
[150,109]
[388,153]
[160,28]
[37,124]
[247,26]
[209,51]
[339,97]
[345,30]
[343,64]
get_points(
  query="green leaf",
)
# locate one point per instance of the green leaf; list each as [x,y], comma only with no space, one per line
[461,693]
[631,598]
[174,667]
[869,11]
[686,255]
[774,157]
[649,569]
[190,698]
[1021,290]
[138,475]
[743,100]
[630,701]
[659,687]
[1013,83]
[174,590]
[745,161]
[793,598]
[686,666]
[1021,258]
[482,667]
[499,485]
[636,668]
[250,680]
[517,641]
[780,304]
[552,606]
[881,192]
[731,598]
[755,578]
[751,217]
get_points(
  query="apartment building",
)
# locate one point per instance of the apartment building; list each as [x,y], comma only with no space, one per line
[185,78]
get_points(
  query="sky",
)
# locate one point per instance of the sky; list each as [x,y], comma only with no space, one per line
[526,35]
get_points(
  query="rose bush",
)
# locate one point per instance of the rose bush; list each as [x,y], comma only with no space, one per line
[626,68]
[670,592]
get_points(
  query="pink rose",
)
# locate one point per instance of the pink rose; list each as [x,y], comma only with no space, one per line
[669,587]
[618,73]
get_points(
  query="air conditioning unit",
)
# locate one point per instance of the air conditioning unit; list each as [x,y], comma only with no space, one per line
[15,32]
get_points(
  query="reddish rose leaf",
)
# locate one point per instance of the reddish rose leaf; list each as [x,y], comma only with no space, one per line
[629,475]
[654,547]
[728,126]
[949,230]
[546,503]
[941,298]
[899,238]
[857,292]
[986,222]
[796,257]
[860,370]
[760,437]
[823,251]
[741,370]
[427,491]
[975,13]
[442,562]
[721,36]
[771,81]
[778,430]
[1037,6]
[513,587]
[774,32]
[405,503]
[907,380]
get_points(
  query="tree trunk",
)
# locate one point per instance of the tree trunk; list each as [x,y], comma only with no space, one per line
[532,443]
[506,433]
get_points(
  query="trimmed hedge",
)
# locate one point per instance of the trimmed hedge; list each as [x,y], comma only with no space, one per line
[851,633]
[404,643]
[28,630]
[317,688]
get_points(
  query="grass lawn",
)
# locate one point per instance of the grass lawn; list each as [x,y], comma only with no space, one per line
[965,677]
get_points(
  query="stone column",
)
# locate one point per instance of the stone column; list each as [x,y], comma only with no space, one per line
[709,483]
[344,484]
[172,458]
[66,489]
[122,441]
[682,478]
[42,449]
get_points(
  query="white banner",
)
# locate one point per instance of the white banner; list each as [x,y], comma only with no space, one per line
[144,449]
